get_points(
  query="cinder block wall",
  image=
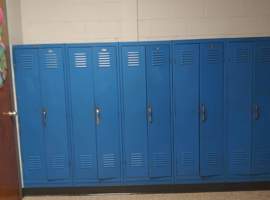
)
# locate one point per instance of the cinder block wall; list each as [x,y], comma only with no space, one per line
[50,21]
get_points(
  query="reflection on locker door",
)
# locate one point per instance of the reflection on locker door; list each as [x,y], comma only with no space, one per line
[211,109]
[261,110]
[238,106]
[29,105]
[54,112]
[134,122]
[186,103]
[158,108]
[81,72]
[106,111]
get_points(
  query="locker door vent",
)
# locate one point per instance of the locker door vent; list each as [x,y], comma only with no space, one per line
[80,60]
[242,56]
[27,61]
[109,160]
[265,55]
[212,159]
[34,163]
[51,60]
[56,162]
[158,58]
[160,159]
[239,159]
[187,58]
[262,158]
[136,160]
[86,161]
[133,59]
[104,58]
[187,159]
[213,56]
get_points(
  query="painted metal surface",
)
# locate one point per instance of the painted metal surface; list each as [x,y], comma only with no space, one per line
[212,100]
[186,101]
[216,129]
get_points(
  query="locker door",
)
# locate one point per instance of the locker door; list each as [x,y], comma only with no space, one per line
[158,81]
[186,103]
[54,112]
[107,109]
[134,100]
[238,106]
[261,136]
[29,105]
[83,117]
[211,105]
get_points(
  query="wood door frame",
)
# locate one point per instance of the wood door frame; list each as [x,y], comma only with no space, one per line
[9,84]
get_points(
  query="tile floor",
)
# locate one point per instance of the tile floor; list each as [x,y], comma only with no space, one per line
[250,195]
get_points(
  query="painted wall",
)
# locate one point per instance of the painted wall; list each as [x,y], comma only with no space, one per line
[14,21]
[121,20]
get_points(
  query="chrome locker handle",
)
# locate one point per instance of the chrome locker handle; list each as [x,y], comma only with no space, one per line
[150,114]
[97,115]
[203,113]
[256,112]
[44,117]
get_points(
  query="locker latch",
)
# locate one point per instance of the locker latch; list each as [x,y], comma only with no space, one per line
[44,114]
[203,113]
[149,114]
[256,112]
[97,115]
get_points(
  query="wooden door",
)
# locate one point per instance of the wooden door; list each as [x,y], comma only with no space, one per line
[9,165]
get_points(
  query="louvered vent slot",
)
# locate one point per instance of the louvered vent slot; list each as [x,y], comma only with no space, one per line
[187,58]
[51,60]
[160,159]
[34,163]
[213,56]
[104,58]
[109,160]
[158,58]
[239,159]
[80,60]
[212,159]
[136,160]
[242,56]
[187,159]
[133,59]
[86,161]
[56,162]
[265,55]
[27,61]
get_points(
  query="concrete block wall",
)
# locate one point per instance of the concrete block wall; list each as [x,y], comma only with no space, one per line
[14,21]
[56,21]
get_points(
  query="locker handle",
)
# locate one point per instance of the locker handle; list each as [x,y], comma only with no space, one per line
[203,113]
[150,114]
[44,117]
[256,112]
[97,115]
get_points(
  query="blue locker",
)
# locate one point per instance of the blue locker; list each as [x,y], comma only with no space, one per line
[186,105]
[81,73]
[238,102]
[261,110]
[107,112]
[134,113]
[29,105]
[211,109]
[158,110]
[54,113]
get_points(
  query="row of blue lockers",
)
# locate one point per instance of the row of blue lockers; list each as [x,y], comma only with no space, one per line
[164,112]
